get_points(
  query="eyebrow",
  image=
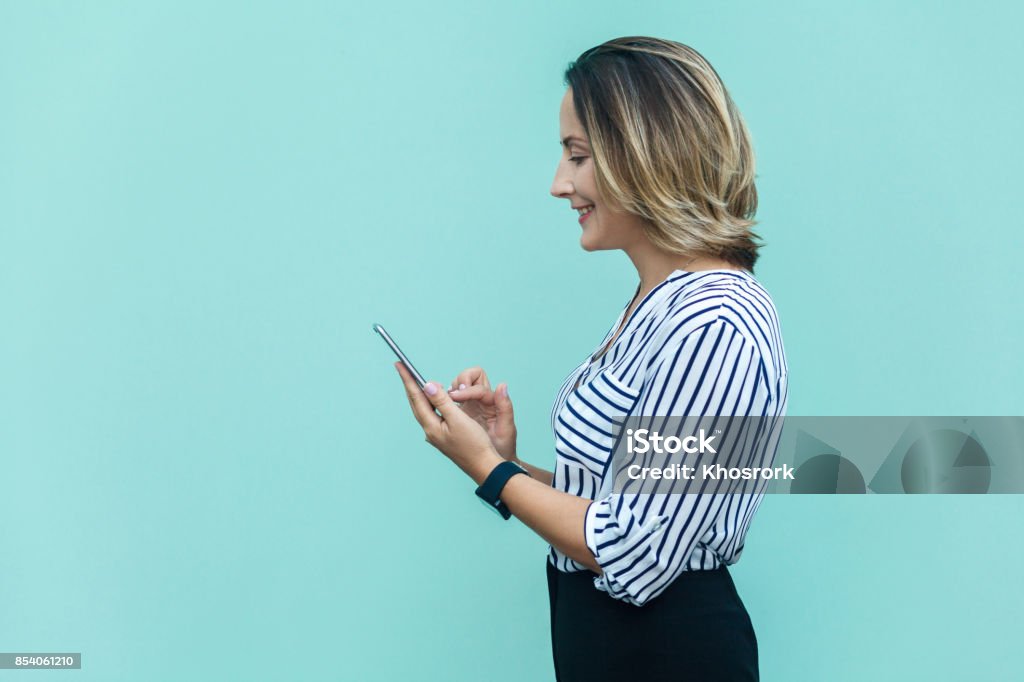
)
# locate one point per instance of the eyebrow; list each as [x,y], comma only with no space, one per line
[570,138]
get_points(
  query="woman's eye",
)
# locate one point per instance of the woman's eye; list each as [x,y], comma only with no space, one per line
[577,159]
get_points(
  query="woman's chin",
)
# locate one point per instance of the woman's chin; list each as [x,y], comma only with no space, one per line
[593,245]
[588,243]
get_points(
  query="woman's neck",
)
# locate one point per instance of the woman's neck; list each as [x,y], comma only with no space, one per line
[654,266]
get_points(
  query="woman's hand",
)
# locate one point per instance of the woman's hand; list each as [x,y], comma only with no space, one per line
[454,433]
[490,409]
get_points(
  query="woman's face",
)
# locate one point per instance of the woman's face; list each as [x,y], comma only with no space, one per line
[603,227]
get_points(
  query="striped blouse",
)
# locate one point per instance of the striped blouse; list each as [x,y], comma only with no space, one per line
[700,343]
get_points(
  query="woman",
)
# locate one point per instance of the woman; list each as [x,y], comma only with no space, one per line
[657,162]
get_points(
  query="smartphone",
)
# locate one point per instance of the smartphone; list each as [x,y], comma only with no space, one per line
[401,356]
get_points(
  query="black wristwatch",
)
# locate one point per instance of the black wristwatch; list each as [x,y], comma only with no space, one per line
[490,490]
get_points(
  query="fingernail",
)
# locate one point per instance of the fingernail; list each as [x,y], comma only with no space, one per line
[462,386]
[504,390]
[430,389]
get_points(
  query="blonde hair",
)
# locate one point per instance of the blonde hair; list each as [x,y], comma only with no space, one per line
[669,145]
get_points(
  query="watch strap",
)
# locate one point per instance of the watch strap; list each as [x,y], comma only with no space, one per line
[490,490]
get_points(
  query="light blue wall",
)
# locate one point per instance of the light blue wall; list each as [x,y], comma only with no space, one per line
[208,465]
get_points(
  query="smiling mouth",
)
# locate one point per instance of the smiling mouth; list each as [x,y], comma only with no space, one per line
[585,212]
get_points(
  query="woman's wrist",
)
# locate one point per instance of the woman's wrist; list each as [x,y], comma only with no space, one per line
[482,466]
[506,451]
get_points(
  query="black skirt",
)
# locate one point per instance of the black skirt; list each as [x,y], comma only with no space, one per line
[697,629]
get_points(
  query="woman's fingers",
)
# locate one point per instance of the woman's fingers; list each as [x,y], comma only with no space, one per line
[503,430]
[474,376]
[503,406]
[422,409]
[469,393]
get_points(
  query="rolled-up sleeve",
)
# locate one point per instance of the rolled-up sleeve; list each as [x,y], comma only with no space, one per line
[642,541]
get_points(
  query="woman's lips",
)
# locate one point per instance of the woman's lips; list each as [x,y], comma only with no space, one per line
[586,215]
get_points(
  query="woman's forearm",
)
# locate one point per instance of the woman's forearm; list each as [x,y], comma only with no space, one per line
[555,516]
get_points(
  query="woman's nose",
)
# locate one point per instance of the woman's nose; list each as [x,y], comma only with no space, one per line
[561,187]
